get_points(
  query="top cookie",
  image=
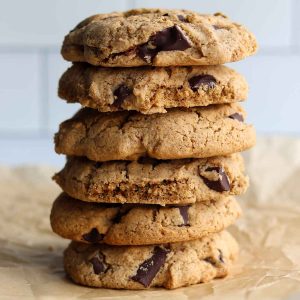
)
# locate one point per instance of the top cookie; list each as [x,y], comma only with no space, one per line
[159,38]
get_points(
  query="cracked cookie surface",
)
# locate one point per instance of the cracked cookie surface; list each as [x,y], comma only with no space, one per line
[140,224]
[151,90]
[139,267]
[151,181]
[159,38]
[181,133]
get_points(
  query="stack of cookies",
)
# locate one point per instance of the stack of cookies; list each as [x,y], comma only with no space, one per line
[153,158]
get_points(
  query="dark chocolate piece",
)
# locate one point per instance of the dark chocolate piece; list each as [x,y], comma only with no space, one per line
[169,39]
[98,263]
[204,79]
[220,185]
[182,18]
[150,267]
[214,262]
[185,214]
[221,257]
[93,236]
[237,116]
[120,94]
[210,260]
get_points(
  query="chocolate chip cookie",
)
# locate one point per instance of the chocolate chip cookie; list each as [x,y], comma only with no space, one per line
[139,267]
[140,224]
[151,181]
[180,133]
[159,38]
[151,90]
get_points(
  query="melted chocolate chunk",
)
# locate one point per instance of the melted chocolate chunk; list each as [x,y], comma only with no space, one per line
[150,267]
[98,263]
[93,236]
[204,79]
[185,215]
[237,116]
[120,94]
[215,262]
[165,15]
[146,53]
[210,260]
[220,185]
[169,39]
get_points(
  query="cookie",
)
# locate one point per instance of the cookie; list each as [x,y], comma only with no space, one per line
[151,90]
[139,267]
[140,224]
[159,38]
[151,181]
[181,133]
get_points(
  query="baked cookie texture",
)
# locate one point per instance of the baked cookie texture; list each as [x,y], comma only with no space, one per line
[140,224]
[151,181]
[151,90]
[181,133]
[139,267]
[159,38]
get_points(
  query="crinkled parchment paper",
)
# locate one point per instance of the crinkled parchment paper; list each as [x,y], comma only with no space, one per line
[268,233]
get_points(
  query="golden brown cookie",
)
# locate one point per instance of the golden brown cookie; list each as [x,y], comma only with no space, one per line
[139,267]
[181,133]
[159,38]
[151,181]
[140,224]
[151,90]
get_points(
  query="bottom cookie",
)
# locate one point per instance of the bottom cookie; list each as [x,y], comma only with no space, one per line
[139,267]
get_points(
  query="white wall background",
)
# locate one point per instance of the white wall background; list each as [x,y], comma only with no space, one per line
[30,65]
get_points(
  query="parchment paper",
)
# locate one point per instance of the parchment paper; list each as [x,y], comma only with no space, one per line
[268,233]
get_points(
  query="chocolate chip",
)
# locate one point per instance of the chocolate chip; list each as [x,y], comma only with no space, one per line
[93,236]
[213,261]
[237,116]
[169,39]
[150,267]
[182,18]
[98,263]
[184,213]
[165,15]
[221,257]
[120,94]
[220,185]
[210,260]
[205,79]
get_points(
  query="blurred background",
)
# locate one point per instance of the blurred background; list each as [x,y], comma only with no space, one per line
[31,34]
